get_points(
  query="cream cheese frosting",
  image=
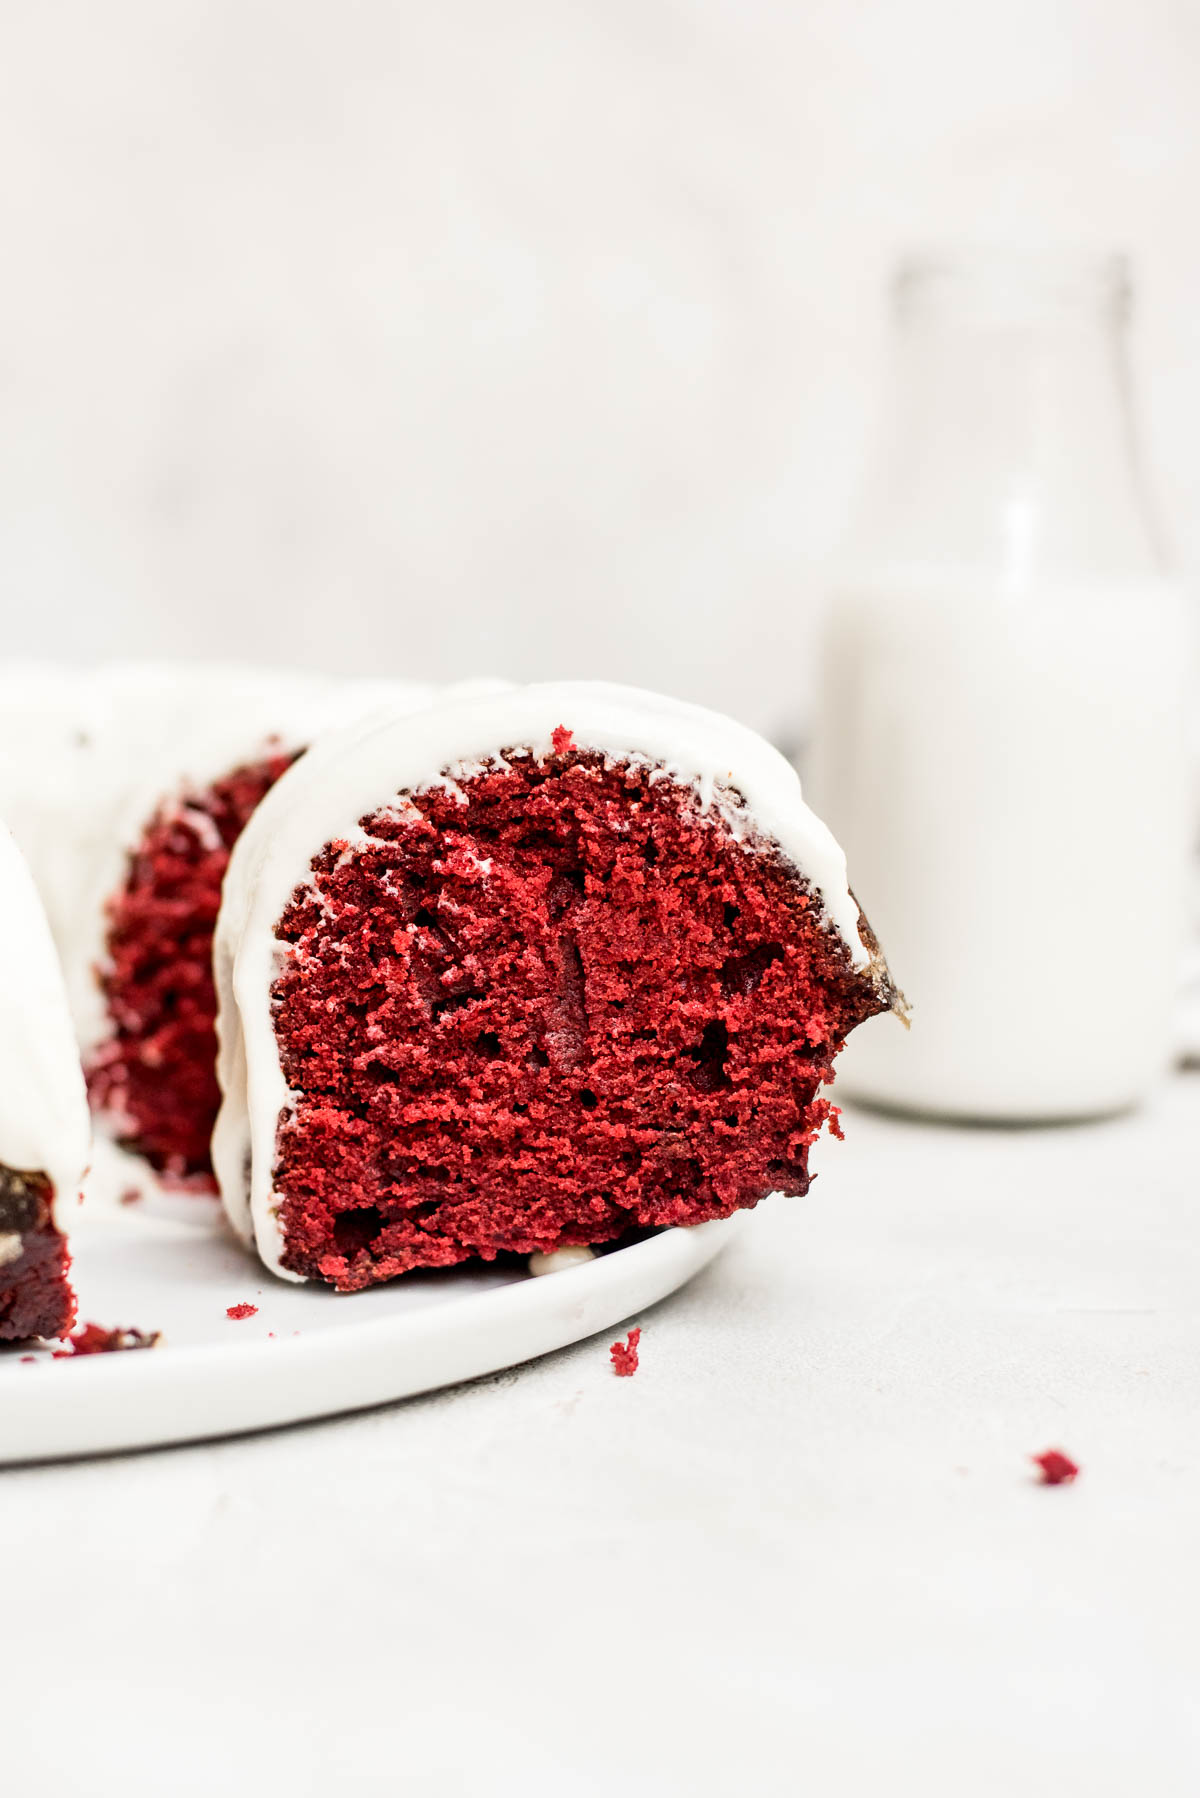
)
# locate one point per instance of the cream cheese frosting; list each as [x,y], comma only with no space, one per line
[738,779]
[44,1123]
[166,731]
[88,756]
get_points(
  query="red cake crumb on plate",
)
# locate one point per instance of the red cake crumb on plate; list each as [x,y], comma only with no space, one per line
[1057,1469]
[94,1339]
[625,1355]
[240,1311]
[156,1075]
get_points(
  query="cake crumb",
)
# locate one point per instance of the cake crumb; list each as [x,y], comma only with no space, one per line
[94,1339]
[562,739]
[132,1195]
[625,1355]
[29,1357]
[1057,1469]
[239,1311]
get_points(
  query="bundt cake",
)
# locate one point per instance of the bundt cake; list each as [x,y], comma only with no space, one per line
[498,971]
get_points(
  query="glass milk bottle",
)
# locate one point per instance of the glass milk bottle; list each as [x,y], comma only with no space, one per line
[1000,738]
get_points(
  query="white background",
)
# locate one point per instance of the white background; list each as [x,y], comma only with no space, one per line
[546,335]
[543,336]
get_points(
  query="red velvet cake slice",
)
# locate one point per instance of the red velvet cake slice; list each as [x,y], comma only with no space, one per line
[176,760]
[526,972]
[44,1135]
[154,1076]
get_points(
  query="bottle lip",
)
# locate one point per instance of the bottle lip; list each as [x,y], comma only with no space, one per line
[1000,283]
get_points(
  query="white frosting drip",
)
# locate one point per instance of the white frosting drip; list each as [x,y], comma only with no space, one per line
[361,769]
[44,1124]
[46,723]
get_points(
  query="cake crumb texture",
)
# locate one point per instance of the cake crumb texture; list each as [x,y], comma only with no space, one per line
[155,1076]
[35,1289]
[542,1004]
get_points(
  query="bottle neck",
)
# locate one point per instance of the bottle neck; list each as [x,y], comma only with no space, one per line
[1010,448]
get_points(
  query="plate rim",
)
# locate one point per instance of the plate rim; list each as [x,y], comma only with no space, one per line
[170,1396]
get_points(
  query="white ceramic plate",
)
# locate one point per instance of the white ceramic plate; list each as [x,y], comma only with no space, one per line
[308,1352]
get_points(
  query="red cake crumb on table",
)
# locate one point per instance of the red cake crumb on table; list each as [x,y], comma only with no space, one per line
[156,1076]
[625,1355]
[1057,1469]
[94,1339]
[547,1004]
[240,1311]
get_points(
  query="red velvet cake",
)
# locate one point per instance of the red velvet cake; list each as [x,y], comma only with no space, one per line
[35,1292]
[155,1076]
[526,972]
[131,819]
[44,1138]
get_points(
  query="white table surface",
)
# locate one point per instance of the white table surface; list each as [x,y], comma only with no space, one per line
[800,1551]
